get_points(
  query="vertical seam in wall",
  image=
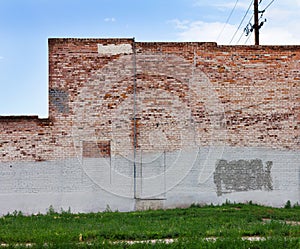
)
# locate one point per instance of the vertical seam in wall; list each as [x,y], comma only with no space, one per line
[190,96]
[134,119]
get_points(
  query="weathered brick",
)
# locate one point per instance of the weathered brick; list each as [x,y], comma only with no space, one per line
[250,92]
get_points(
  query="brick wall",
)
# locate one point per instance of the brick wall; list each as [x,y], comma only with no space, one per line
[178,123]
[186,95]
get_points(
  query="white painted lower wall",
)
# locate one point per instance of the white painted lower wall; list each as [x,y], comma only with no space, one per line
[163,180]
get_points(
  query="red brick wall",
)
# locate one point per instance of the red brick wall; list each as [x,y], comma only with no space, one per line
[187,95]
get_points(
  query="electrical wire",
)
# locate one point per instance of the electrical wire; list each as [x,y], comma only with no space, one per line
[249,22]
[248,38]
[243,30]
[240,38]
[227,21]
[268,5]
[241,22]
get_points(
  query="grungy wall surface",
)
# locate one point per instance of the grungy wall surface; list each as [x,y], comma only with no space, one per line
[135,125]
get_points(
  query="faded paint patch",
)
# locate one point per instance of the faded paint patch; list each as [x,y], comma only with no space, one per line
[147,204]
[60,99]
[113,49]
[242,175]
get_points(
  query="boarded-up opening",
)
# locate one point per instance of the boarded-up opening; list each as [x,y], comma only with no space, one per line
[92,149]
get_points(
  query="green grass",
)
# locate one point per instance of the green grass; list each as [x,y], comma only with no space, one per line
[191,227]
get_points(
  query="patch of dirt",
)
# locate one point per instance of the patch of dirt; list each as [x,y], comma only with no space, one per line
[293,223]
[288,222]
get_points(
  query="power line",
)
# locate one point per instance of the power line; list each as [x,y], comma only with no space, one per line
[257,24]
[268,6]
[245,30]
[248,38]
[242,22]
[227,21]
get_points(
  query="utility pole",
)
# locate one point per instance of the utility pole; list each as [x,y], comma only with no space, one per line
[256,24]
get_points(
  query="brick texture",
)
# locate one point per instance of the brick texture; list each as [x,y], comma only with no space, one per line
[159,97]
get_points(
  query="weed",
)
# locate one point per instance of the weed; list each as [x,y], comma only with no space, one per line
[17,213]
[108,209]
[296,205]
[62,211]
[51,210]
[227,202]
[288,204]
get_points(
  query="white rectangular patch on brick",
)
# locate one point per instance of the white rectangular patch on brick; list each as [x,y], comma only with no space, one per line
[113,49]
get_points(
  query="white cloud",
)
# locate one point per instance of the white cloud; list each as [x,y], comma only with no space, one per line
[282,24]
[109,19]
[279,36]
[281,27]
[209,32]
[1,57]
[203,31]
[278,15]
[180,24]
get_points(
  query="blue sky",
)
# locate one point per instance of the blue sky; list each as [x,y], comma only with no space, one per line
[25,26]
